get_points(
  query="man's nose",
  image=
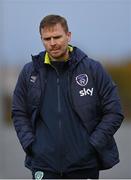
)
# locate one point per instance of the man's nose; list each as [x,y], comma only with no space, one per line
[52,41]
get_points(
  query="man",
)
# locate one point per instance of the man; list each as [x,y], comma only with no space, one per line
[65,109]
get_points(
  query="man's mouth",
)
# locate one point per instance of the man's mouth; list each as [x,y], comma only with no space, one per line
[54,50]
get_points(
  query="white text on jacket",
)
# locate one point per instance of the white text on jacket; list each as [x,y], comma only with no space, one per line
[85,92]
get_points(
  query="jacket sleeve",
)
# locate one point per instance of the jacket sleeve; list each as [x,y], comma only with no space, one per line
[112,115]
[20,116]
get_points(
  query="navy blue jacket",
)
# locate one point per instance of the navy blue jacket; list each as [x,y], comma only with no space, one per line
[93,97]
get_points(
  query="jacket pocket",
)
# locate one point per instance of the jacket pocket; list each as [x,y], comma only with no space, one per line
[109,156]
[90,115]
[33,96]
[89,145]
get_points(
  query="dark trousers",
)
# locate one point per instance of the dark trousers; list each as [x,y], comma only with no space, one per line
[78,174]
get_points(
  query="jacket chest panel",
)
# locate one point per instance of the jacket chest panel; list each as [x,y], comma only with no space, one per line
[85,99]
[83,90]
[34,91]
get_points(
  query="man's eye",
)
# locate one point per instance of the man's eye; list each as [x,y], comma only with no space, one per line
[46,39]
[57,37]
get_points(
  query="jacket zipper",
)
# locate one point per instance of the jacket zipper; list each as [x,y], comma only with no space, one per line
[59,120]
[58,93]
[69,92]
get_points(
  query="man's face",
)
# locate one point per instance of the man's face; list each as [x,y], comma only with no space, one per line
[56,40]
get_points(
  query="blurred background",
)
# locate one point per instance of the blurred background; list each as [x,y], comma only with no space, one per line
[100,28]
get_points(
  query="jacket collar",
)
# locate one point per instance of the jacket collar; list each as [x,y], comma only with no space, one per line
[76,55]
[47,58]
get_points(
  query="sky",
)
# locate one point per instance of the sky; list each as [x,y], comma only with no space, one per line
[101,28]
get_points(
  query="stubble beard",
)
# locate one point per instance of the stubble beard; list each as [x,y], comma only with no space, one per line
[63,55]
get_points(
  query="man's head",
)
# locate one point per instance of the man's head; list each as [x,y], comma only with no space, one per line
[55,36]
[51,20]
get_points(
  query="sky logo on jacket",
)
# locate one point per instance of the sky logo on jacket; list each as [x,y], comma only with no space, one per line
[82,80]
[85,92]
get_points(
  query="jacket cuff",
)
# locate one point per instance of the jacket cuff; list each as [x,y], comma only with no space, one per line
[27,148]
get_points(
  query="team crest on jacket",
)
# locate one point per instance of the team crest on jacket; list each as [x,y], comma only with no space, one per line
[82,79]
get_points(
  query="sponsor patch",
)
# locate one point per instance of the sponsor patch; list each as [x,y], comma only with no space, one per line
[85,92]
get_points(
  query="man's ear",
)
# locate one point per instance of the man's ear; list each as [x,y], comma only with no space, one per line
[69,36]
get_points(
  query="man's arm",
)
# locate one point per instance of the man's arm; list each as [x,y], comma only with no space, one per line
[111,109]
[20,116]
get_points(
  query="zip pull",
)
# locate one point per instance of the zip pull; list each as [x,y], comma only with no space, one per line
[69,91]
[45,81]
[58,80]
